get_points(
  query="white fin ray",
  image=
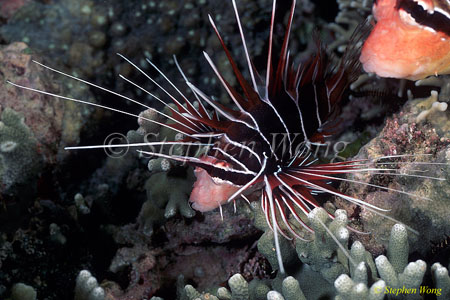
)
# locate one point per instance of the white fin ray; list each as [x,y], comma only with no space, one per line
[171,108]
[244,44]
[159,86]
[186,81]
[268,191]
[136,145]
[365,183]
[96,105]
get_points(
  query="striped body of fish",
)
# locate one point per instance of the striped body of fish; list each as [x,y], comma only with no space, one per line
[411,39]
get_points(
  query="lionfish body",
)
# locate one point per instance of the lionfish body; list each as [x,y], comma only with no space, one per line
[266,141]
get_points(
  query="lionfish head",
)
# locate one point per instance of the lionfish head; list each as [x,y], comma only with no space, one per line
[410,40]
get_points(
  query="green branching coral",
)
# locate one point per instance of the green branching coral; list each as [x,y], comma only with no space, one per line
[351,13]
[171,191]
[349,289]
[394,271]
[323,253]
[442,82]
[441,280]
[87,288]
[354,272]
[266,244]
[20,160]
[21,291]
[240,289]
[170,183]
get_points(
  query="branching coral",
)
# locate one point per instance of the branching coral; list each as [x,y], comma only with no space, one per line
[22,291]
[434,108]
[323,253]
[170,183]
[172,191]
[355,276]
[353,290]
[87,288]
[442,82]
[240,289]
[396,275]
[441,280]
[166,194]
[351,13]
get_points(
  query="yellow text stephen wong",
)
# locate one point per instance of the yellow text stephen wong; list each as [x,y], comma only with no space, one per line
[423,290]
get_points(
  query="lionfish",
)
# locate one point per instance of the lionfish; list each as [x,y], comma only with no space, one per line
[293,104]
[410,40]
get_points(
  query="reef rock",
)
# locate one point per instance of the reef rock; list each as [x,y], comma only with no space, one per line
[34,128]
[421,169]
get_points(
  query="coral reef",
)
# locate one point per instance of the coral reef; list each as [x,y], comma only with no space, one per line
[388,275]
[423,174]
[397,277]
[393,270]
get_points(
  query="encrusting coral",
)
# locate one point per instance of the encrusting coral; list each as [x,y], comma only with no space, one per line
[20,160]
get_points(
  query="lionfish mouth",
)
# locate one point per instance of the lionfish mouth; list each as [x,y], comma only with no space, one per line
[296,104]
